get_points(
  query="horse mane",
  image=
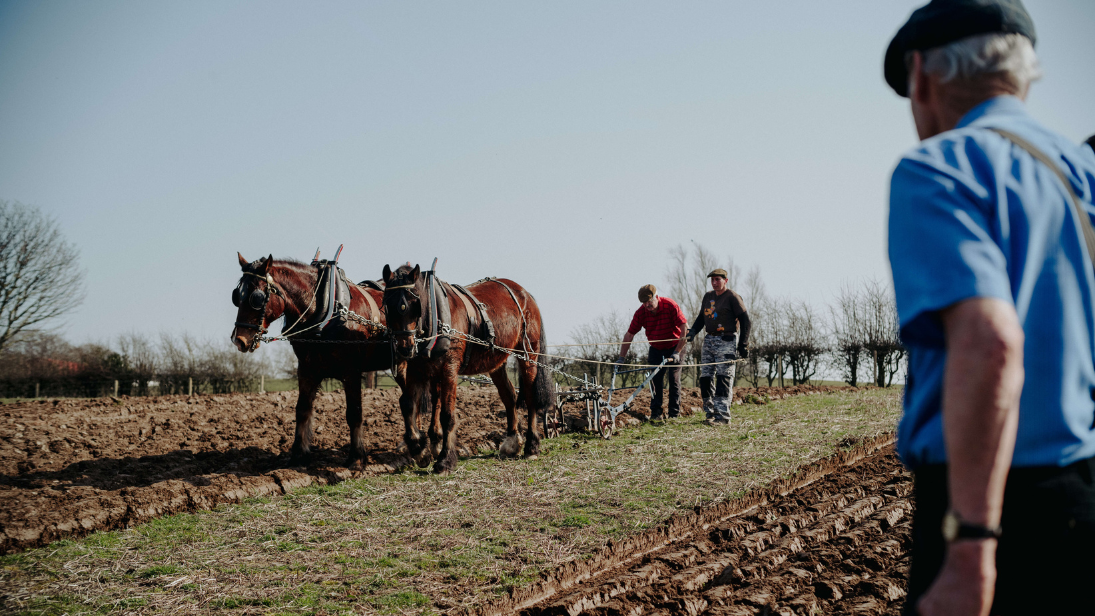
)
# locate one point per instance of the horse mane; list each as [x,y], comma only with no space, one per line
[302,282]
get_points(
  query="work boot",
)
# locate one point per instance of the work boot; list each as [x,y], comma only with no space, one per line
[721,410]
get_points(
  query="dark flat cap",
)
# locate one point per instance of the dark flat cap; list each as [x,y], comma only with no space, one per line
[944,21]
[718,272]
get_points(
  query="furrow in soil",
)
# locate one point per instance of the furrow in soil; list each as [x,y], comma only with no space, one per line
[836,545]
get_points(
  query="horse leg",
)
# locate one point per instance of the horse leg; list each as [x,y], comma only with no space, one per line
[307,386]
[446,459]
[437,434]
[512,442]
[416,441]
[352,387]
[530,379]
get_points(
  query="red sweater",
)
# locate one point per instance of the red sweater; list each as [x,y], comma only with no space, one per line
[667,323]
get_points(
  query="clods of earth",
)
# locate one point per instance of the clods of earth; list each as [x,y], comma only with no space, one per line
[832,539]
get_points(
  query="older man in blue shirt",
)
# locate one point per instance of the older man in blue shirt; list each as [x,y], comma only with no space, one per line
[994,286]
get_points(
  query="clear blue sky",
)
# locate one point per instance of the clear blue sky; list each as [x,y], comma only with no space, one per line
[566,145]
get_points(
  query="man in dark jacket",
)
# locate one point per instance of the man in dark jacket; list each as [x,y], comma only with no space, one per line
[721,313]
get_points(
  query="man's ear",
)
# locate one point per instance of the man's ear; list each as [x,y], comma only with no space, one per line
[387,273]
[919,84]
[243,262]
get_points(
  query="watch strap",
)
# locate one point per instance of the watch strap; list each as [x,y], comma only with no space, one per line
[955,528]
[976,531]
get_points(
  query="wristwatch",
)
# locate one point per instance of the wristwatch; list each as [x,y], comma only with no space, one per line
[955,528]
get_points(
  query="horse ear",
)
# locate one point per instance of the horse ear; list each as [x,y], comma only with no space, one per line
[415,273]
[243,262]
[264,266]
[387,273]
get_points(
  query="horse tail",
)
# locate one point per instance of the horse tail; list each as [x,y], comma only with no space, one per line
[543,394]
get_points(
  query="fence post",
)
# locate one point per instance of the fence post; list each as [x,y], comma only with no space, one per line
[370,380]
[190,387]
[262,383]
[781,369]
[115,388]
[36,389]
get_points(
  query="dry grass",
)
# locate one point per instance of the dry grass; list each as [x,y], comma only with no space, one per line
[417,543]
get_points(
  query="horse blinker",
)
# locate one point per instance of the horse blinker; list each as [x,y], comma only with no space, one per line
[257,299]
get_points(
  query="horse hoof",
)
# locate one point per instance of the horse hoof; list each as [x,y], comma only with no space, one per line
[509,447]
[423,460]
[532,456]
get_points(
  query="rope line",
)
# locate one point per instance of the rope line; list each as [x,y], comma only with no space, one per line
[523,355]
[612,343]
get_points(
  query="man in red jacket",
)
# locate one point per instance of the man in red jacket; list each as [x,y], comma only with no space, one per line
[664,322]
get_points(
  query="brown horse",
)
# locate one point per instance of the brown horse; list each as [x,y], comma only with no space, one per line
[269,290]
[413,307]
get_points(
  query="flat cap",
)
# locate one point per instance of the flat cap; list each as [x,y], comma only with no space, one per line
[945,21]
[718,272]
[646,292]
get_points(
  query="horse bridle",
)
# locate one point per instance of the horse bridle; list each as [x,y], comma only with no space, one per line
[257,299]
[403,307]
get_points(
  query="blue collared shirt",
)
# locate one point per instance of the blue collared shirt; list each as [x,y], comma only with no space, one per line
[972,215]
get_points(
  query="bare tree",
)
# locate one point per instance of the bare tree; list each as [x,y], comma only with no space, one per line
[849,332]
[767,357]
[687,276]
[607,328]
[142,361]
[883,340]
[39,277]
[804,341]
[755,296]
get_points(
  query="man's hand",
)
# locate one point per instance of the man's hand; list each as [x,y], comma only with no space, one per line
[966,582]
[621,359]
[690,337]
[743,351]
[674,359]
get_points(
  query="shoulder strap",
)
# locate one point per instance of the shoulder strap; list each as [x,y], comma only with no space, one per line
[373,311]
[1085,220]
[465,301]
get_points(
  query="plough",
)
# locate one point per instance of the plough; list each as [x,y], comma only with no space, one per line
[600,413]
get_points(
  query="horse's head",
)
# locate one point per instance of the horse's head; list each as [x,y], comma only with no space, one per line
[403,290]
[259,301]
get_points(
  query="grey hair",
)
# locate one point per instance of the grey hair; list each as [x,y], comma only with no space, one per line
[1011,55]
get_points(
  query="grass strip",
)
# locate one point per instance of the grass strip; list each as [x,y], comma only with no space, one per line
[411,543]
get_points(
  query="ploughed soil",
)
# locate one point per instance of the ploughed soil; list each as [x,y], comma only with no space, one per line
[832,539]
[69,467]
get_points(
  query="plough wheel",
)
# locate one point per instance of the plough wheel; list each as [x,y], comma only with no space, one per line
[553,421]
[606,423]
